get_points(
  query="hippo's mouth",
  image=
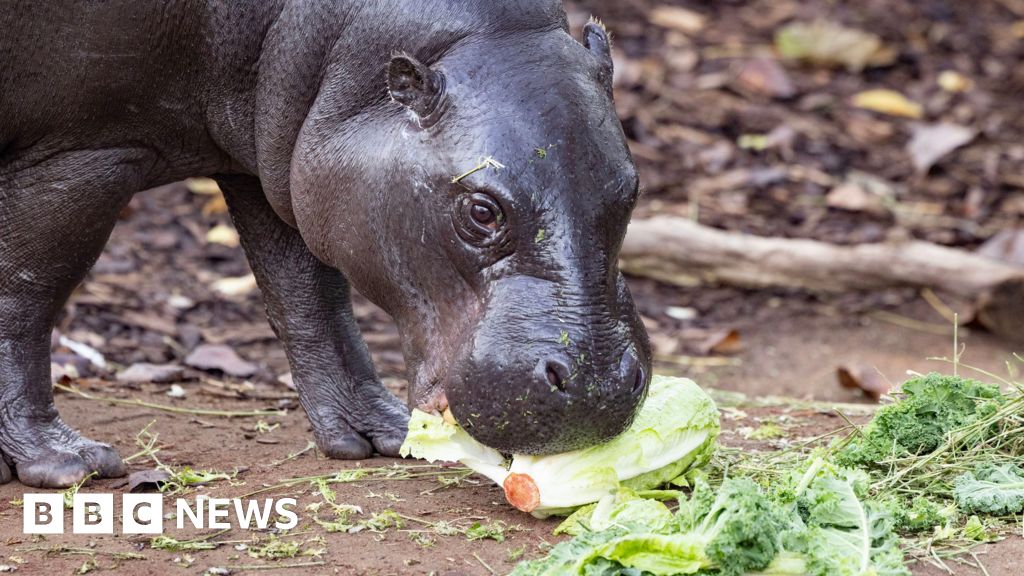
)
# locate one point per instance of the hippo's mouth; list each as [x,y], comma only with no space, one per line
[436,401]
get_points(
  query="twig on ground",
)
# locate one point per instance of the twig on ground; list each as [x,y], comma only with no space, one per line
[484,564]
[172,409]
[241,567]
[910,323]
[72,550]
[935,302]
[310,446]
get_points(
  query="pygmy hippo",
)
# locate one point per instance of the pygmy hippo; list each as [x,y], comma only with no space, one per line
[458,162]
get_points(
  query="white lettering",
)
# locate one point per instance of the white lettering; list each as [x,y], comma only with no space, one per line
[218,509]
[143,514]
[283,510]
[43,514]
[252,511]
[92,513]
[182,509]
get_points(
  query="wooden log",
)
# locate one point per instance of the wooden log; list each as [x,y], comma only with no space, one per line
[681,252]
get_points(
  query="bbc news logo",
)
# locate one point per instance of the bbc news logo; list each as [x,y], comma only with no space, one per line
[144,513]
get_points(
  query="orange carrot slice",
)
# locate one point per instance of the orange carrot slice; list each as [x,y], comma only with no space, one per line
[522,492]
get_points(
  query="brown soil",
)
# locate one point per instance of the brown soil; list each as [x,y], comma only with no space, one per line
[212,443]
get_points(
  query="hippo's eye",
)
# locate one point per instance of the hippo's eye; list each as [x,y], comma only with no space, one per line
[478,217]
[484,215]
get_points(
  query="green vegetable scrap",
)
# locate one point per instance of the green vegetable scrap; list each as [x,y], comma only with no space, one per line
[487,531]
[847,534]
[673,433]
[974,529]
[767,431]
[839,515]
[932,406]
[923,514]
[997,490]
[174,545]
[829,528]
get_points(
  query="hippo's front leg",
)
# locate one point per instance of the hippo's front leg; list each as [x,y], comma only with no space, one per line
[309,308]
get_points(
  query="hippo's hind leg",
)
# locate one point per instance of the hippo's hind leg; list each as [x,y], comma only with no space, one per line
[309,308]
[55,217]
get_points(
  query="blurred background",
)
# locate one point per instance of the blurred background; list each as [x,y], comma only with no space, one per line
[873,123]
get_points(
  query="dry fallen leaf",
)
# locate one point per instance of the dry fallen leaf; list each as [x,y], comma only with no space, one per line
[888,102]
[675,18]
[236,286]
[663,344]
[202,186]
[854,198]
[215,206]
[868,381]
[721,342]
[1017,28]
[287,380]
[224,235]
[825,43]
[220,357]
[143,372]
[681,312]
[930,142]
[765,77]
[147,480]
[58,373]
[952,81]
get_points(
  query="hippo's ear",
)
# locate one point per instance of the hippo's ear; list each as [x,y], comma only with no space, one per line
[597,39]
[414,85]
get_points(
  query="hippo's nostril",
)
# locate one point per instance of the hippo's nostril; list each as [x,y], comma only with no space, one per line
[555,373]
[638,383]
[553,378]
[632,373]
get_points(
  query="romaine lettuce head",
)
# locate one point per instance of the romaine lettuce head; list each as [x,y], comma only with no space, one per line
[674,432]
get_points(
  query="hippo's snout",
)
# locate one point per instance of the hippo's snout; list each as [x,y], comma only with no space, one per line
[557,371]
[543,374]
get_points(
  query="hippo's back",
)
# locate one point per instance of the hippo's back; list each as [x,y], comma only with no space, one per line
[96,70]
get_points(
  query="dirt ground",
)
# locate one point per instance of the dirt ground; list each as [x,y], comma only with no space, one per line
[159,290]
[264,459]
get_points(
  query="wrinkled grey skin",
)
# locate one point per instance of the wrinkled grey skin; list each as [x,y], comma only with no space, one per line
[335,129]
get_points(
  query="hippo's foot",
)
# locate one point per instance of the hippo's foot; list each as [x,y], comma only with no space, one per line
[372,421]
[52,455]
